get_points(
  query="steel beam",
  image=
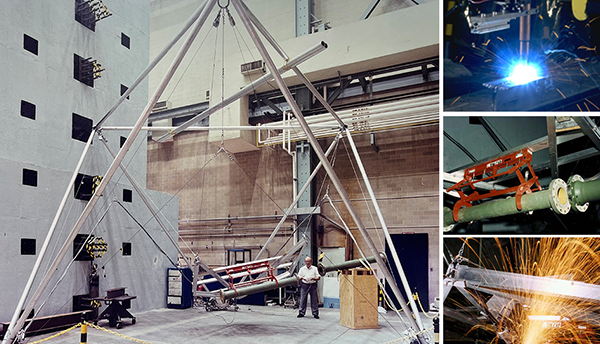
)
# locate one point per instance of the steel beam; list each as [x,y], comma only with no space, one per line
[330,171]
[555,198]
[589,128]
[303,17]
[112,169]
[551,126]
[370,10]
[296,199]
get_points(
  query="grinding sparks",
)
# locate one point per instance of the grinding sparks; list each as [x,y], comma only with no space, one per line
[523,73]
[536,291]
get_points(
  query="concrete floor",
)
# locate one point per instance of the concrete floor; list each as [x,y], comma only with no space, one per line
[250,324]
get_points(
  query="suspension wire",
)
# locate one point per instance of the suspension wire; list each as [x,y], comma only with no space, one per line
[362,191]
[222,13]
[149,236]
[189,64]
[68,266]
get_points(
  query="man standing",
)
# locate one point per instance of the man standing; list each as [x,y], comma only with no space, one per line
[309,275]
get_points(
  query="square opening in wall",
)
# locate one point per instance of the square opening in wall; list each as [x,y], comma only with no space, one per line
[30,177]
[83,70]
[123,139]
[27,109]
[127,249]
[78,243]
[127,195]
[82,128]
[83,188]
[125,40]
[124,89]
[84,14]
[30,44]
[28,247]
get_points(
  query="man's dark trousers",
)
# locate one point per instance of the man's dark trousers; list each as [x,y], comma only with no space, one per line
[314,302]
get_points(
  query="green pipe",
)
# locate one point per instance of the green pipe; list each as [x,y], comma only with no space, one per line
[243,291]
[555,197]
[582,192]
[347,265]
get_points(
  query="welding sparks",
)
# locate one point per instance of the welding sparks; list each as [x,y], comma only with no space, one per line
[523,73]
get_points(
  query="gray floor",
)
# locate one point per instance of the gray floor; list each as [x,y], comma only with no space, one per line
[250,324]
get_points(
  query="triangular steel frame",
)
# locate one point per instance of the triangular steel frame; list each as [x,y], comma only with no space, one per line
[194,24]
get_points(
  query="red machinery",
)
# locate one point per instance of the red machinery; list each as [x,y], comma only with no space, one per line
[251,269]
[490,170]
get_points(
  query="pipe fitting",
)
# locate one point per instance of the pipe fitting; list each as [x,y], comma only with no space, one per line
[560,196]
[573,195]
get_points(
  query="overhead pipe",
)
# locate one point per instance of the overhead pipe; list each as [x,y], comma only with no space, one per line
[320,47]
[257,288]
[348,265]
[555,198]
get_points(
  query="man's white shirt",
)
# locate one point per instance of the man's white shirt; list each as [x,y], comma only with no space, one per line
[308,274]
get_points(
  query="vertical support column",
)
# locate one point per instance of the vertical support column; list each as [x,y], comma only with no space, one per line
[303,17]
[304,159]
[552,146]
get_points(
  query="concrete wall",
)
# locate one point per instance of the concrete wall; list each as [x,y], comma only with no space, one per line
[45,145]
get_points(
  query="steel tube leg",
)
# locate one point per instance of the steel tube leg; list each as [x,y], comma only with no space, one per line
[331,173]
[112,169]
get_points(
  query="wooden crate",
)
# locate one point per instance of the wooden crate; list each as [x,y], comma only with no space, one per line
[358,299]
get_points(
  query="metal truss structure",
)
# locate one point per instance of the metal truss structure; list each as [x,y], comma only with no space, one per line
[192,27]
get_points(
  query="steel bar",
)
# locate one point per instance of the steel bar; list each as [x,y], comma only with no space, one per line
[330,171]
[320,47]
[551,127]
[177,112]
[228,127]
[491,279]
[112,169]
[555,198]
[191,20]
[42,252]
[297,198]
[252,289]
[348,264]
[386,232]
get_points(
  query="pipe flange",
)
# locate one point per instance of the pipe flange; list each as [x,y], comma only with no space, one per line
[560,196]
[572,197]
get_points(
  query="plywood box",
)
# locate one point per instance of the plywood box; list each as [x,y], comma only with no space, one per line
[358,299]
